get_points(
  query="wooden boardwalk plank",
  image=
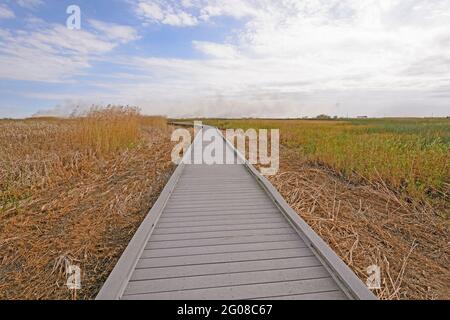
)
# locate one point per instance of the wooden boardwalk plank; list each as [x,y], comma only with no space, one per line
[219,222]
[221,211]
[223,280]
[221,241]
[210,228]
[223,248]
[185,260]
[249,291]
[221,234]
[326,295]
[224,268]
[262,216]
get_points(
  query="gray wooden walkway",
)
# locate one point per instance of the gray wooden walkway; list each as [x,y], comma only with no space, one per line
[223,232]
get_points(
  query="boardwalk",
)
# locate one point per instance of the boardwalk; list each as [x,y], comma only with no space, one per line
[223,232]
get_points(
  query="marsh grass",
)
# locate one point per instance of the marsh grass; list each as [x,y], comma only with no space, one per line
[75,188]
[408,155]
[38,152]
[107,130]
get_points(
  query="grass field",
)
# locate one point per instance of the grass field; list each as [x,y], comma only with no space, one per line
[75,191]
[409,155]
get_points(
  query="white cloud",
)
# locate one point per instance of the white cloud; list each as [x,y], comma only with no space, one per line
[5,12]
[47,55]
[179,19]
[216,50]
[231,8]
[54,53]
[164,12]
[30,4]
[114,31]
[192,12]
[313,55]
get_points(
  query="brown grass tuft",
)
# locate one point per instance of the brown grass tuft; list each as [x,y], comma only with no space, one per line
[107,130]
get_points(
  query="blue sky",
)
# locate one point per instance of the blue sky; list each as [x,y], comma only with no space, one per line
[284,58]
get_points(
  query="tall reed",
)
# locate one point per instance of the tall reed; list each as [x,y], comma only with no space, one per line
[108,129]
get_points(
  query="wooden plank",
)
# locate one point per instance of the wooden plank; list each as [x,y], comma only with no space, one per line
[326,295]
[220,211]
[230,187]
[216,192]
[219,217]
[217,183]
[209,228]
[229,195]
[223,185]
[211,178]
[204,215]
[216,189]
[209,209]
[208,179]
[199,167]
[213,204]
[224,280]
[220,241]
[224,248]
[224,208]
[220,222]
[222,196]
[224,268]
[230,190]
[201,170]
[244,291]
[188,260]
[220,234]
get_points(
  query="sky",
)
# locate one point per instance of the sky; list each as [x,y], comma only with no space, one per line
[233,58]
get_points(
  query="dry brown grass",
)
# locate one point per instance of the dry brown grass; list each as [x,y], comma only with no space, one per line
[153,121]
[75,190]
[107,130]
[370,224]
